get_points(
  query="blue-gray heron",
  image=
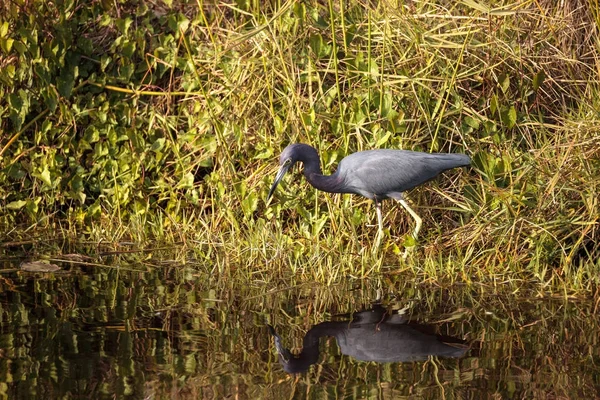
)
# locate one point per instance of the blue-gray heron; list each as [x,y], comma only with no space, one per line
[374,174]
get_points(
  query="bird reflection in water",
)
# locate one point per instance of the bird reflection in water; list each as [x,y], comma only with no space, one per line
[371,335]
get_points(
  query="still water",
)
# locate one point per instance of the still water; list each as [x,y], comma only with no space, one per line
[161,330]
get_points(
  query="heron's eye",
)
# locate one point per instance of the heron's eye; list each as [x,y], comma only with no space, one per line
[287,162]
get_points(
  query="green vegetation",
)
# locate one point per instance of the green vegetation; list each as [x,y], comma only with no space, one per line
[162,122]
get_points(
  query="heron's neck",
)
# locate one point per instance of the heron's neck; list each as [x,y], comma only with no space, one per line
[327,183]
[310,344]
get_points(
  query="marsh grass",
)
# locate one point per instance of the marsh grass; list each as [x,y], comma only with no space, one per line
[221,88]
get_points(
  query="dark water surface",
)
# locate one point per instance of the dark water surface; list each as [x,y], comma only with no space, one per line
[161,331]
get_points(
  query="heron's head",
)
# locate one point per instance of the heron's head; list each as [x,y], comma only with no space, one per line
[287,159]
[291,363]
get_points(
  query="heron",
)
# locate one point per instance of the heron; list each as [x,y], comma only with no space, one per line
[375,174]
[371,335]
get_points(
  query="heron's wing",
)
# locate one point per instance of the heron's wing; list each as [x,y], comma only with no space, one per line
[387,171]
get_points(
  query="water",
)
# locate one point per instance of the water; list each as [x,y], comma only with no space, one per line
[159,330]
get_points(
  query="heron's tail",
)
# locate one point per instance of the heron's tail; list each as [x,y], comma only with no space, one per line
[452,160]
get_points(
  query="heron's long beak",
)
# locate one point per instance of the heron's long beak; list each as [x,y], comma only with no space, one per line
[284,168]
[284,353]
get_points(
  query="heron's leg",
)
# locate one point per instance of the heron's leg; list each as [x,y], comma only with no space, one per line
[379,217]
[379,220]
[416,217]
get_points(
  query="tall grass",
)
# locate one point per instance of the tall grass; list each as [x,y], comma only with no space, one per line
[514,85]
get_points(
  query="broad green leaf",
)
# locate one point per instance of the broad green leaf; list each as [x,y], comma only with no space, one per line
[139,207]
[316,42]
[512,116]
[9,71]
[264,154]
[126,72]
[123,24]
[50,96]
[15,171]
[65,84]
[319,224]
[299,10]
[318,46]
[187,182]
[472,122]
[3,29]
[504,81]
[509,117]
[6,44]
[158,145]
[33,205]
[104,62]
[392,115]
[183,24]
[16,205]
[383,140]
[489,127]
[19,47]
[15,102]
[309,117]
[278,124]
[250,203]
[91,135]
[494,104]
[46,126]
[128,49]
[385,103]
[44,176]
[94,210]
